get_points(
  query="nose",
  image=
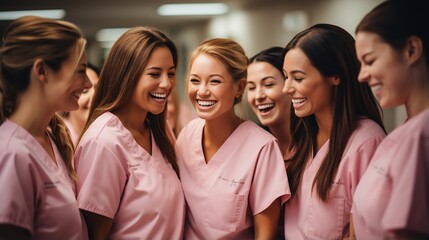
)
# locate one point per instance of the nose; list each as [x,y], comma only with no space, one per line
[203,90]
[87,83]
[165,82]
[260,94]
[363,75]
[288,87]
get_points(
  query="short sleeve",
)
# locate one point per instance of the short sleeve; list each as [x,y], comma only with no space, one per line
[102,175]
[270,180]
[407,207]
[360,162]
[19,190]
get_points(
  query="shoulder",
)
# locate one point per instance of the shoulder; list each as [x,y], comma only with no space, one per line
[106,129]
[367,130]
[193,127]
[412,133]
[15,143]
[250,130]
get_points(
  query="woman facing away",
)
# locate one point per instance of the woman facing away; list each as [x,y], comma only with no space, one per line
[128,184]
[336,127]
[43,64]
[232,171]
[392,199]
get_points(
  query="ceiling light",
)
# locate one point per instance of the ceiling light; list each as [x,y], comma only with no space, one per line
[192,9]
[110,34]
[53,13]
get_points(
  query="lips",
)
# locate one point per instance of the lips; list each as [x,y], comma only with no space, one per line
[158,95]
[298,102]
[206,103]
[265,107]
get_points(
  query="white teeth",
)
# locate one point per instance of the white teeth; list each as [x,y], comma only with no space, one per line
[376,88]
[158,95]
[265,106]
[298,100]
[206,103]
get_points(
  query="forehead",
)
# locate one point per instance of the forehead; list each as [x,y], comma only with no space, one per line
[366,41]
[296,59]
[261,69]
[205,62]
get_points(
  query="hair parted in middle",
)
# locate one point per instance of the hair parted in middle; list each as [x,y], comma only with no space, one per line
[120,74]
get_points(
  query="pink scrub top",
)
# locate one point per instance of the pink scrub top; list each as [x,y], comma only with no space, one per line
[36,194]
[120,180]
[242,179]
[306,215]
[394,192]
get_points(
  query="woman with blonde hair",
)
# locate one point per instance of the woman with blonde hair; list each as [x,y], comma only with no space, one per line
[43,66]
[232,171]
[128,184]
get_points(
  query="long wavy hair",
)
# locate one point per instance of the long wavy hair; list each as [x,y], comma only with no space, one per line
[119,76]
[331,50]
[25,40]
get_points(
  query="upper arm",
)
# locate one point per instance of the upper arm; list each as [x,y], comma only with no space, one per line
[11,232]
[98,226]
[267,221]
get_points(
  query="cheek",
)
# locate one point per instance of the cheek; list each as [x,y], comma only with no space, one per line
[192,90]
[250,97]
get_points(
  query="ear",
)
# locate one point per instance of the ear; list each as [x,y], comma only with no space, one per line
[39,70]
[241,87]
[335,80]
[413,49]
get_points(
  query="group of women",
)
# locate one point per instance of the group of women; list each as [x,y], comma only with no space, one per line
[324,169]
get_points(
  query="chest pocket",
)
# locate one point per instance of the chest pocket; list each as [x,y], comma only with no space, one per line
[223,211]
[325,220]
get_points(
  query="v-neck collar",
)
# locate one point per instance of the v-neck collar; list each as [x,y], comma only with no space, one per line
[222,153]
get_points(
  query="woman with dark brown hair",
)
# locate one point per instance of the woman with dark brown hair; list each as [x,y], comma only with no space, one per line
[336,127]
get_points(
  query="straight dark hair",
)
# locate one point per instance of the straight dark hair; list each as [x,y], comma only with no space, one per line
[397,20]
[331,50]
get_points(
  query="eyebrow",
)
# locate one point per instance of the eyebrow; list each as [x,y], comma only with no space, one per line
[211,75]
[158,68]
[295,71]
[366,54]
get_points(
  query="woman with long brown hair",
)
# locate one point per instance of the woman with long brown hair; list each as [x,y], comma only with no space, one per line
[336,127]
[128,184]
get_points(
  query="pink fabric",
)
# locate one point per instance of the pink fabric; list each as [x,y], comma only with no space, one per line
[394,192]
[120,180]
[241,180]
[36,194]
[306,215]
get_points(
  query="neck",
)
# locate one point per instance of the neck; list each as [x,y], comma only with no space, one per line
[133,119]
[217,130]
[32,114]
[418,99]
[324,123]
[77,124]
